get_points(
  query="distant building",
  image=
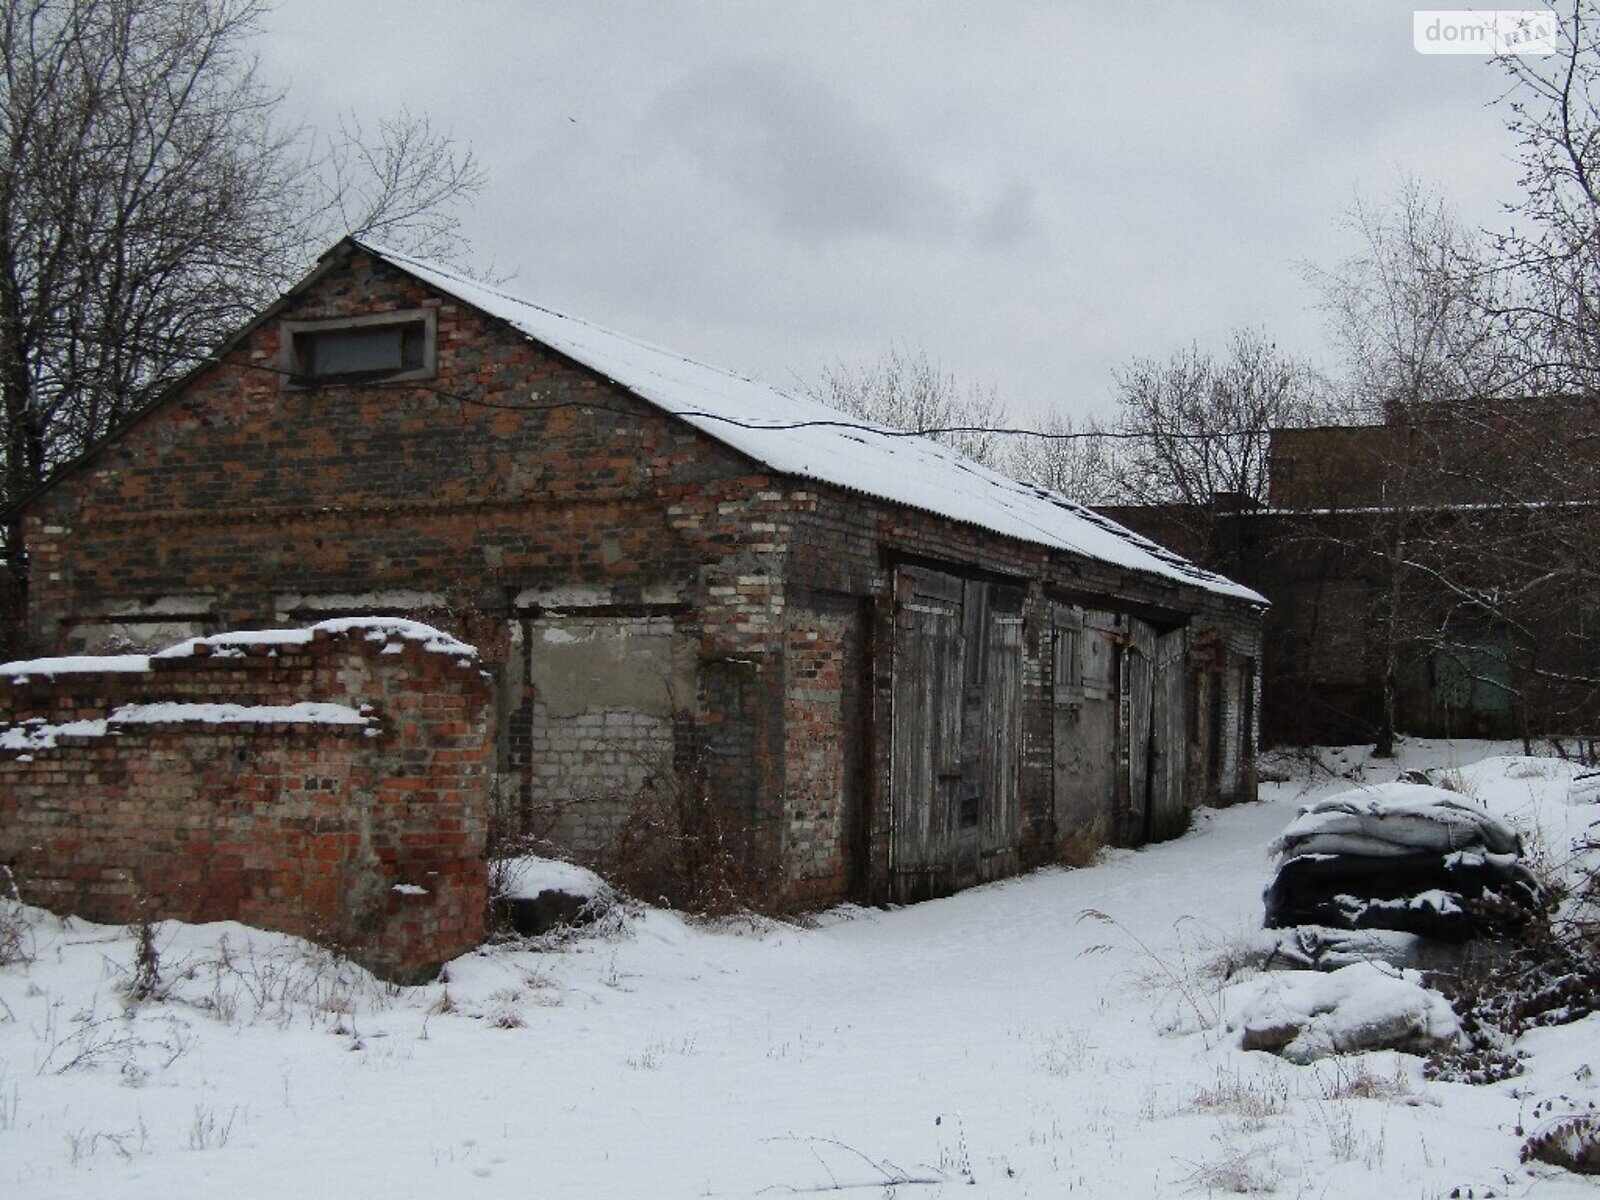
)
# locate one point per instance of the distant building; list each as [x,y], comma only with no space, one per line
[1451,552]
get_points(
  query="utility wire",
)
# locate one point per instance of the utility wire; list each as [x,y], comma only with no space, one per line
[767,426]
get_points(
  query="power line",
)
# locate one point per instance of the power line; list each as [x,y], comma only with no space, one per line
[860,426]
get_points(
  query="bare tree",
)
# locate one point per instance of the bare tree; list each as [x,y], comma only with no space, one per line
[1197,426]
[904,389]
[1554,251]
[151,199]
[400,185]
[1412,308]
[1074,459]
[1482,352]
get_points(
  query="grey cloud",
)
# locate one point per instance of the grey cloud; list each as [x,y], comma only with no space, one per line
[788,145]
[1011,217]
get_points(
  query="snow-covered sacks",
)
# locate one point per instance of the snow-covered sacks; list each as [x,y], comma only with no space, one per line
[534,895]
[1400,856]
[1307,1015]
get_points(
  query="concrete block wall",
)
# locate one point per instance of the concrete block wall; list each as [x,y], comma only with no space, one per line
[606,696]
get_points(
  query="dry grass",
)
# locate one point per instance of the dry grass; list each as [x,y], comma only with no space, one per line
[16,932]
[1251,1098]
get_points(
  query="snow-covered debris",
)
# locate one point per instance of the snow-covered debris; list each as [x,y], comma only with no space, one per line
[1392,819]
[1403,856]
[1307,1015]
[529,876]
[534,895]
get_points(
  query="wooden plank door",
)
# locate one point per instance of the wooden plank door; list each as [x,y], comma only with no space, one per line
[1001,718]
[1168,813]
[956,750]
[1135,707]
[925,763]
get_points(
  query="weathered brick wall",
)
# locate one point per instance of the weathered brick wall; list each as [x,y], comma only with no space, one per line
[367,833]
[845,544]
[823,777]
[513,487]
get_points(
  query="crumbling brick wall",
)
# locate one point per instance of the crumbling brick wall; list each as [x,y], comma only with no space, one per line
[331,783]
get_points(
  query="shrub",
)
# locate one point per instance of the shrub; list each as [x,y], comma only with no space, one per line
[1570,1140]
[16,934]
[680,847]
[1550,976]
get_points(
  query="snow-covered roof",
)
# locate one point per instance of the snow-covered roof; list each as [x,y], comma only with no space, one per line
[797,436]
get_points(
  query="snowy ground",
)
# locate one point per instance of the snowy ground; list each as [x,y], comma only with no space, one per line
[1000,1039]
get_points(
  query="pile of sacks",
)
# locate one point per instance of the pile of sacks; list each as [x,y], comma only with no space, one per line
[1400,856]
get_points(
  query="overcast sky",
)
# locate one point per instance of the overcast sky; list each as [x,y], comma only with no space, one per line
[1032,192]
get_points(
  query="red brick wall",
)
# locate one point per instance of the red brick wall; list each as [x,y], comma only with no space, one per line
[299,826]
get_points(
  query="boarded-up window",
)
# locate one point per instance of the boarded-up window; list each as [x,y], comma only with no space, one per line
[1097,659]
[1068,659]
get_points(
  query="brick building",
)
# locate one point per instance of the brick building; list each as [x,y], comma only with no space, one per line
[1439,564]
[900,672]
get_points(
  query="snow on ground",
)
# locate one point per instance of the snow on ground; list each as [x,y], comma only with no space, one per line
[1054,1035]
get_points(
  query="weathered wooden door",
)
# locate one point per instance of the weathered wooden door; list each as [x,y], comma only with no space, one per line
[1084,731]
[925,767]
[1001,730]
[1169,731]
[1133,741]
[956,731]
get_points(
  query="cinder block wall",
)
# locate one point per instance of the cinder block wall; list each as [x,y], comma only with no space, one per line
[368,836]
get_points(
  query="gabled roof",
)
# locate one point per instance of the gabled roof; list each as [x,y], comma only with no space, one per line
[797,436]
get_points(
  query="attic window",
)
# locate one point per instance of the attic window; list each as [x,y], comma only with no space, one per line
[383,347]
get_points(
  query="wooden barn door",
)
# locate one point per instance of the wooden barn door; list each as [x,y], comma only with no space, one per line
[956,731]
[1169,734]
[925,768]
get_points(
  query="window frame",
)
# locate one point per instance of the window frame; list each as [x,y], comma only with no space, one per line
[290,333]
[1067,656]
